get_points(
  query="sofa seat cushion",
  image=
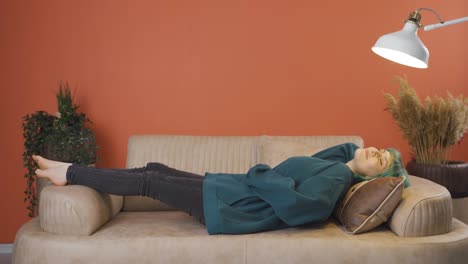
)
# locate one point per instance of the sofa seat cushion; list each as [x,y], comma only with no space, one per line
[175,237]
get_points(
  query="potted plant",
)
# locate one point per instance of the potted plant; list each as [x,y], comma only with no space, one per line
[432,129]
[63,136]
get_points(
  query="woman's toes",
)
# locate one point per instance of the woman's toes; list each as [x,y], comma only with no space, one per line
[38,160]
[43,163]
[40,173]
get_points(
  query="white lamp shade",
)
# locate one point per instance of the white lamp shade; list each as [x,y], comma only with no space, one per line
[403,47]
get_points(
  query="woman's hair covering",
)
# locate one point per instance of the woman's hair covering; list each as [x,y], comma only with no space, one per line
[396,168]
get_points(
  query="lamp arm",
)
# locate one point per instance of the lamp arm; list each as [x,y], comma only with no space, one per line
[433,11]
[415,17]
[446,23]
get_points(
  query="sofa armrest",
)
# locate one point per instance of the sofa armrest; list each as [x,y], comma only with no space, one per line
[76,209]
[426,209]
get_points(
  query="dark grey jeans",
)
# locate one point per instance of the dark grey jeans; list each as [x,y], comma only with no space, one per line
[179,189]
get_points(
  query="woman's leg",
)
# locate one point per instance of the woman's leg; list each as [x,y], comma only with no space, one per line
[44,163]
[183,193]
[131,170]
[162,168]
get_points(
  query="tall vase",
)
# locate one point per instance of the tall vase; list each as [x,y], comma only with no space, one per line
[453,176]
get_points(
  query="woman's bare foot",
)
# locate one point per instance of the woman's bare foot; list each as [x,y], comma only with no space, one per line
[47,163]
[57,175]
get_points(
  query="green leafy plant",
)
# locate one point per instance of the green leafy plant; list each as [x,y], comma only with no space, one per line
[431,129]
[36,127]
[63,136]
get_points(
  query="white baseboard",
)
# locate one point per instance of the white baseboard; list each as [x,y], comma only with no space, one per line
[6,248]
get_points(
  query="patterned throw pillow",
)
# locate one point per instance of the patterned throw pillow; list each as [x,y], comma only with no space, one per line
[368,204]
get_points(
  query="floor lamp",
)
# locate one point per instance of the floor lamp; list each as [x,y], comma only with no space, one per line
[404,46]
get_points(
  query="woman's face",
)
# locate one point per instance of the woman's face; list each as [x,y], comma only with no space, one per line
[371,161]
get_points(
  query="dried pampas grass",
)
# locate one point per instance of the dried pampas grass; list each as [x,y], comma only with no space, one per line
[431,129]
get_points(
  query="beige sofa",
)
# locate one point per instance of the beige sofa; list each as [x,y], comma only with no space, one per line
[76,224]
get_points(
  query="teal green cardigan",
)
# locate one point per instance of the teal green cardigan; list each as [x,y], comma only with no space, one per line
[298,191]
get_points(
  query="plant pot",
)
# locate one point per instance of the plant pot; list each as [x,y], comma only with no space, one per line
[453,176]
[70,148]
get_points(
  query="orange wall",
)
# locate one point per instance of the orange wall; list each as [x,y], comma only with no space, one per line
[283,67]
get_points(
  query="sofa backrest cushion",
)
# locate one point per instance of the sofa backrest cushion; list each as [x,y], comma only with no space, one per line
[274,152]
[200,154]
[196,154]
